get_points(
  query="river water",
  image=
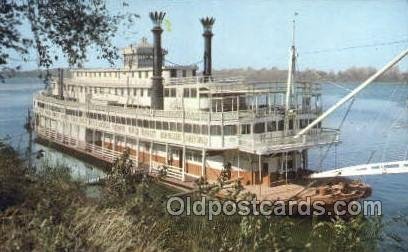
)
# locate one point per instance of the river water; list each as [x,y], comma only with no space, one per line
[375,130]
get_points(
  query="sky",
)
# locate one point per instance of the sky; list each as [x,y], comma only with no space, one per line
[258,33]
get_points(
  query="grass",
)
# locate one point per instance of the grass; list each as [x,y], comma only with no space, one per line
[48,211]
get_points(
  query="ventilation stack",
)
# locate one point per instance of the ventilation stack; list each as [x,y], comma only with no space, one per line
[207,23]
[157,79]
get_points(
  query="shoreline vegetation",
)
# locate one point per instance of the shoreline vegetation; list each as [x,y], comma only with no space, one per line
[352,74]
[46,210]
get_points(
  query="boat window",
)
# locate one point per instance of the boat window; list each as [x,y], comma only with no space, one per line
[230,130]
[193,72]
[139,122]
[193,92]
[245,129]
[121,91]
[291,124]
[151,124]
[165,126]
[259,128]
[128,121]
[146,74]
[196,129]
[188,128]
[148,92]
[123,120]
[280,125]
[173,92]
[141,91]
[166,92]
[215,130]
[145,124]
[184,73]
[133,74]
[158,125]
[179,127]
[204,129]
[173,126]
[186,92]
[271,126]
[173,73]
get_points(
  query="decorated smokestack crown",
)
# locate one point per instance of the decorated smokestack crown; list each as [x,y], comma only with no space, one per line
[157,17]
[207,23]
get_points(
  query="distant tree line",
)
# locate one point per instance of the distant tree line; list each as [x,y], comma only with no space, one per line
[353,74]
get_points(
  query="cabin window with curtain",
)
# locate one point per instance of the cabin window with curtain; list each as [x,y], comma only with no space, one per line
[245,129]
[230,130]
[186,92]
[173,92]
[179,127]
[193,92]
[166,92]
[204,129]
[215,130]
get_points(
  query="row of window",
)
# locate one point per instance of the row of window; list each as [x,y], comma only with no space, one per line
[117,91]
[229,130]
[133,74]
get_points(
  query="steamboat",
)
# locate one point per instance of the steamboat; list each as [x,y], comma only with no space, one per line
[193,124]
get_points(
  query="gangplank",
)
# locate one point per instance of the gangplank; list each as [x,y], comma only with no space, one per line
[365,169]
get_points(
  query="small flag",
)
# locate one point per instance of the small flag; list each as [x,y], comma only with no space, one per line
[167,25]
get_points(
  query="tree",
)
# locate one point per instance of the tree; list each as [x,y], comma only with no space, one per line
[70,25]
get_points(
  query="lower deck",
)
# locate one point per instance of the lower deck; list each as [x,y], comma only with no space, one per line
[181,162]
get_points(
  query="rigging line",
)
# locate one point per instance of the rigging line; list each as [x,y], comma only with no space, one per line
[339,86]
[390,127]
[322,158]
[359,46]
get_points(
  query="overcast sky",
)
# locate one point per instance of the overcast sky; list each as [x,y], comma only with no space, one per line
[257,33]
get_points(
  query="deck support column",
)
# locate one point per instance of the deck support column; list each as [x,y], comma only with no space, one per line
[167,153]
[203,172]
[93,138]
[150,156]
[137,152]
[103,140]
[238,164]
[260,168]
[114,143]
[183,164]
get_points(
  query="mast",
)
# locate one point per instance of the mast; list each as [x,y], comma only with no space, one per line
[290,89]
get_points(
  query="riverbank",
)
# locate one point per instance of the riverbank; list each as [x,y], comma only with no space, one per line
[47,210]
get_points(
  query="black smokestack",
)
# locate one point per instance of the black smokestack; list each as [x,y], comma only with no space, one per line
[207,23]
[157,79]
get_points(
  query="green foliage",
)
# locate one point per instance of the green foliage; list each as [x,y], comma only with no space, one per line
[51,212]
[70,26]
